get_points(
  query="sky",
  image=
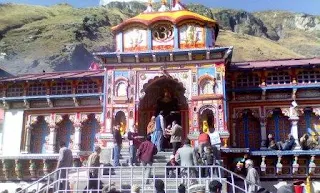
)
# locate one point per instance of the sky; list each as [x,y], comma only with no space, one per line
[305,6]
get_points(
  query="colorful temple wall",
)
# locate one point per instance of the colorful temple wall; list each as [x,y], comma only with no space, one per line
[165,36]
[133,96]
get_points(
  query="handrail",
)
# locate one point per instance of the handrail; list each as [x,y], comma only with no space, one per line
[218,173]
[39,180]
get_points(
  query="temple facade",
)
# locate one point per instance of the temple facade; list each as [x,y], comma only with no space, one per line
[165,60]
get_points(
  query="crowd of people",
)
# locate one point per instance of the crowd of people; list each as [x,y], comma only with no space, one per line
[206,153]
[306,142]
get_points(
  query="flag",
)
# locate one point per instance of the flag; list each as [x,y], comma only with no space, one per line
[308,185]
[94,66]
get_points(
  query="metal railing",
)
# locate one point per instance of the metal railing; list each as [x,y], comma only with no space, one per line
[123,178]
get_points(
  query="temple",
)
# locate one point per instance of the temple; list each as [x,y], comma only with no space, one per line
[165,60]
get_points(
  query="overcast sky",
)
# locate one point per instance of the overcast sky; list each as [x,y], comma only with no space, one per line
[305,6]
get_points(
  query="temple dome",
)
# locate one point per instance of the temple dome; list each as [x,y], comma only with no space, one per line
[175,17]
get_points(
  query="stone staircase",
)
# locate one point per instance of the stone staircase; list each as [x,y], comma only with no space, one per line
[121,178]
[133,175]
[160,159]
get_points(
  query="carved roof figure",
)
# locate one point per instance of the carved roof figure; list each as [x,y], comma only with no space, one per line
[163,7]
[149,7]
[178,6]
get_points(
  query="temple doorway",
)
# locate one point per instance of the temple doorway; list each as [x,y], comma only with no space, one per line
[164,94]
[120,119]
[207,120]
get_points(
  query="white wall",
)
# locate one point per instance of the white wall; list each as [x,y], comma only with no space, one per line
[12,128]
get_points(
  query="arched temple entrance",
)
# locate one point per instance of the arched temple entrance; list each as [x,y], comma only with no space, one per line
[164,94]
[207,120]
[120,119]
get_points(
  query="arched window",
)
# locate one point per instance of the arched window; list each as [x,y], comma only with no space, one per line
[248,80]
[248,131]
[15,90]
[37,89]
[207,87]
[308,76]
[278,78]
[60,88]
[121,89]
[39,136]
[87,87]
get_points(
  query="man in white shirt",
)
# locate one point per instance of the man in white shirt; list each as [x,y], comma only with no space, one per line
[216,143]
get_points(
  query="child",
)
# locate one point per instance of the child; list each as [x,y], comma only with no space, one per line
[209,160]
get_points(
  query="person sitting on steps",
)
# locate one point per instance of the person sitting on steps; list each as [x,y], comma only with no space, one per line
[271,143]
[305,142]
[289,144]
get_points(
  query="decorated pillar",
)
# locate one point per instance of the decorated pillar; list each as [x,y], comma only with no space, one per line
[77,123]
[294,131]
[263,132]
[52,121]
[279,165]
[98,140]
[194,118]
[292,113]
[29,126]
[28,138]
[107,134]
[295,165]
[312,165]
[263,165]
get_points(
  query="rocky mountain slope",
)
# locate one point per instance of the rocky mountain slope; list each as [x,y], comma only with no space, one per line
[36,38]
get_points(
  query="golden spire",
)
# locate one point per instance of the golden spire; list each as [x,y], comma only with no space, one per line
[164,2]
[150,2]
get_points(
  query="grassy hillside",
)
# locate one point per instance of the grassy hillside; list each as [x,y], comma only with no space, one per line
[254,48]
[36,38]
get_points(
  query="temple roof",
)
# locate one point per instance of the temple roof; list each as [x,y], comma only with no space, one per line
[55,75]
[275,63]
[175,17]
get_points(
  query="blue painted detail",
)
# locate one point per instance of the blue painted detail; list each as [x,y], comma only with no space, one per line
[121,74]
[210,71]
[246,130]
[276,125]
[149,39]
[308,122]
[208,37]
[225,100]
[114,54]
[213,37]
[176,37]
